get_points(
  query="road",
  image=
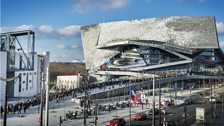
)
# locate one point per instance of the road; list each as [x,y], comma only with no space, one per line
[173,113]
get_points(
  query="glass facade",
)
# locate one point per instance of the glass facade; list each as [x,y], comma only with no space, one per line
[162,60]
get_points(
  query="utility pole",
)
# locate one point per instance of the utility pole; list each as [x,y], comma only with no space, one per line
[96,111]
[84,114]
[170,90]
[175,92]
[211,101]
[47,98]
[6,98]
[153,117]
[222,104]
[41,91]
[185,115]
[142,99]
[86,84]
[159,103]
[5,106]
[130,92]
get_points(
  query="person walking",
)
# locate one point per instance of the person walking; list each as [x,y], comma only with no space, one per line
[1,111]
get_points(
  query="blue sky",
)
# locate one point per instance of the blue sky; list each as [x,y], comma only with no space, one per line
[57,22]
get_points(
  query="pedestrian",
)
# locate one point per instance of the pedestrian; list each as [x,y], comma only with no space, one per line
[19,109]
[24,107]
[1,111]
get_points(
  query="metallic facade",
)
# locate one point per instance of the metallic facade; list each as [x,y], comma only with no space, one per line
[153,44]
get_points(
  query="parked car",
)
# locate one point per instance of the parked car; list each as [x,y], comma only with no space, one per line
[117,122]
[215,99]
[151,111]
[71,115]
[188,100]
[170,123]
[140,116]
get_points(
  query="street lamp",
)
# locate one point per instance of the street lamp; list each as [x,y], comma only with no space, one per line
[153,117]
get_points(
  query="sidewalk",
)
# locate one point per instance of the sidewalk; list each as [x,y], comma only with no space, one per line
[218,121]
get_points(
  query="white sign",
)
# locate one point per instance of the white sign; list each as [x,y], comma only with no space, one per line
[200,114]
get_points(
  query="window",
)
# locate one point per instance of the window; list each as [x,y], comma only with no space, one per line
[24,82]
[20,62]
[27,76]
[30,81]
[24,74]
[20,84]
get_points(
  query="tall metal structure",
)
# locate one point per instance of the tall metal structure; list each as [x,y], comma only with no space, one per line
[12,43]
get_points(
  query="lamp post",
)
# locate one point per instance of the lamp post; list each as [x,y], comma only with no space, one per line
[84,114]
[153,117]
[130,91]
[159,103]
[86,84]
[47,99]
[5,106]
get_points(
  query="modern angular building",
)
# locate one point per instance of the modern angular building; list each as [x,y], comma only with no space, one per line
[176,44]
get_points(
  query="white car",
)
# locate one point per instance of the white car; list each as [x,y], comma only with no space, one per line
[215,99]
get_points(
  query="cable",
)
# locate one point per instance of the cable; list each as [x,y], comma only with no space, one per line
[9,79]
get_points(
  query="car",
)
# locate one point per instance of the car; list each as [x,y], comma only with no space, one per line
[156,111]
[140,116]
[187,115]
[215,99]
[117,122]
[170,123]
[188,100]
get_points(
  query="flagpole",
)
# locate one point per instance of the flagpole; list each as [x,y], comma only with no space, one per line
[130,93]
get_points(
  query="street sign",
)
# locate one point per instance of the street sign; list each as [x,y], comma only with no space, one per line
[39,120]
[200,114]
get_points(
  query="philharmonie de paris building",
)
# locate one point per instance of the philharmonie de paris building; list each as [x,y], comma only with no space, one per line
[179,50]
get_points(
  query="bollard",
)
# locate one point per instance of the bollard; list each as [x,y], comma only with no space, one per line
[222,104]
[185,116]
[60,121]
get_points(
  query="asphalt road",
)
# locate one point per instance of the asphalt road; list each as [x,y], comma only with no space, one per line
[177,114]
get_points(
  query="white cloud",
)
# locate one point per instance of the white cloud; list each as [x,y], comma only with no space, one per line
[74,46]
[82,6]
[47,31]
[64,55]
[221,44]
[61,46]
[220,28]
[3,29]
[200,1]
[46,28]
[24,27]
[17,28]
[64,46]
[71,30]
